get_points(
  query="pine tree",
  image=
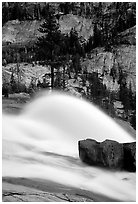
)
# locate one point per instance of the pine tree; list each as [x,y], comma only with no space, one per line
[74,42]
[97,41]
[48,46]
[5,12]
[76,63]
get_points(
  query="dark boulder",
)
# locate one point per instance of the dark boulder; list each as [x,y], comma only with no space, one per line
[109,153]
[89,151]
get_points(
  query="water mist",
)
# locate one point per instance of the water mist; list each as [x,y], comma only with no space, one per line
[42,142]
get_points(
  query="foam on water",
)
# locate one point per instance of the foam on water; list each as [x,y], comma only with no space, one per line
[42,142]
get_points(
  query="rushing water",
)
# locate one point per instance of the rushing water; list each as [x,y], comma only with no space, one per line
[42,142]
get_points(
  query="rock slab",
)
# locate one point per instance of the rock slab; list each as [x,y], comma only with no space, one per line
[109,153]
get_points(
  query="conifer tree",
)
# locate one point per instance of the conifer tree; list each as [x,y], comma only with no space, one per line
[48,46]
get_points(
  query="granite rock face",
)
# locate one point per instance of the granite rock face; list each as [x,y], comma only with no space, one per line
[109,153]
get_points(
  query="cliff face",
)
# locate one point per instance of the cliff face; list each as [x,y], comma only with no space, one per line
[83,26]
[73,14]
[25,32]
[20,32]
[102,62]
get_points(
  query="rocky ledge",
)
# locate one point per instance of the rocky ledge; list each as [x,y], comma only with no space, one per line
[29,190]
[38,196]
[109,153]
[19,189]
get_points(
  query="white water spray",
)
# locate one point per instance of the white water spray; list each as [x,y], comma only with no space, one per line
[42,142]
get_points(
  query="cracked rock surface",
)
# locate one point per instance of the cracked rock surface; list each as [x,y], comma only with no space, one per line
[19,193]
[19,189]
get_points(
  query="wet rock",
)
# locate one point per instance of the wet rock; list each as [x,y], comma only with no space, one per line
[109,153]
[112,154]
[90,152]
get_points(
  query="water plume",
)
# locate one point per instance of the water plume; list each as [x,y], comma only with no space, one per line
[42,142]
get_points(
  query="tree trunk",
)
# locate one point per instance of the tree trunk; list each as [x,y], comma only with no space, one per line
[52,77]
[63,77]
